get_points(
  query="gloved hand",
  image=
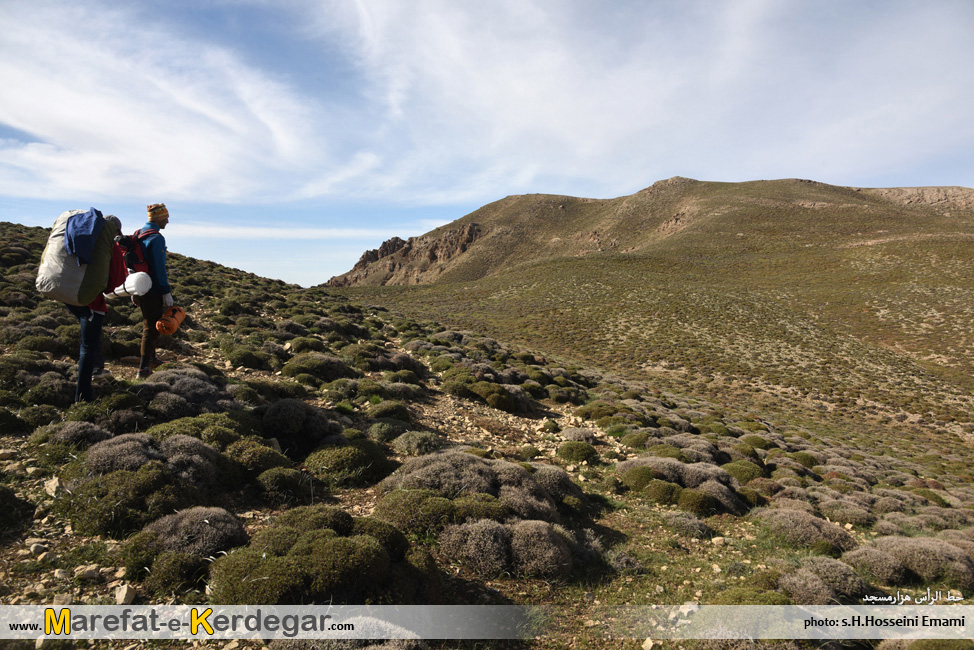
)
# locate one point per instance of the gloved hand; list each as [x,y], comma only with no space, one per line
[167,300]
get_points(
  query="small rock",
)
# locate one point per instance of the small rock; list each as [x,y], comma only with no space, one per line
[34,471]
[61,574]
[46,557]
[274,444]
[89,572]
[649,644]
[53,486]
[37,549]
[16,468]
[61,600]
[660,589]
[125,595]
[718,541]
[233,645]
[7,454]
[716,568]
[40,512]
[120,573]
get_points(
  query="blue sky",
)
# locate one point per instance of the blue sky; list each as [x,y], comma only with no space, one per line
[289,136]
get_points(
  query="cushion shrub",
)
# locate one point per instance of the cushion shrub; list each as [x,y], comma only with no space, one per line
[255,456]
[121,502]
[285,486]
[637,478]
[744,471]
[417,443]
[416,511]
[390,410]
[321,366]
[577,452]
[361,462]
[300,427]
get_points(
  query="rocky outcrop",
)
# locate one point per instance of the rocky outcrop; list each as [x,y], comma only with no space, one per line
[946,197]
[413,261]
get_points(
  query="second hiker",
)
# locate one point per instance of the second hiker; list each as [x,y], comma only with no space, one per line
[159,296]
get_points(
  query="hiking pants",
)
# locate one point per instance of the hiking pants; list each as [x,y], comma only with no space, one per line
[152,310]
[90,356]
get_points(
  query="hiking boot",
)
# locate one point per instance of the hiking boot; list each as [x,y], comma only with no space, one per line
[101,373]
[143,373]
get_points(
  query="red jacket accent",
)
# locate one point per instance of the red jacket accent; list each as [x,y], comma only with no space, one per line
[116,277]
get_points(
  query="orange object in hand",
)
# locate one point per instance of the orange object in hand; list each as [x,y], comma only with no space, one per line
[170,321]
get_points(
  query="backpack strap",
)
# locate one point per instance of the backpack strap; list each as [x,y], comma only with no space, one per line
[142,234]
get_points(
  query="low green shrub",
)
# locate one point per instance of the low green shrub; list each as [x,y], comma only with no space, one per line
[416,511]
[663,492]
[577,452]
[321,366]
[174,573]
[805,459]
[417,443]
[242,357]
[118,503]
[750,596]
[390,537]
[361,462]
[390,410]
[480,506]
[387,430]
[321,554]
[635,440]
[637,478]
[306,344]
[697,503]
[255,456]
[757,442]
[287,486]
[744,471]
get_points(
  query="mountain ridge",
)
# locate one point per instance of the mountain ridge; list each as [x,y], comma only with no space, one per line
[526,228]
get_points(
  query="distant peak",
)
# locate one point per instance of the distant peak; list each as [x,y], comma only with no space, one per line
[676,180]
[670,182]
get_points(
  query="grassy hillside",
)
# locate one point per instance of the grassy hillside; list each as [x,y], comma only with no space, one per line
[821,297]
[302,447]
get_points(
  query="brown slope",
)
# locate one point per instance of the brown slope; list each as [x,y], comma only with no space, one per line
[536,227]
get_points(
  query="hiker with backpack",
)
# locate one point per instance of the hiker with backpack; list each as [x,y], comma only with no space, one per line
[159,297]
[79,264]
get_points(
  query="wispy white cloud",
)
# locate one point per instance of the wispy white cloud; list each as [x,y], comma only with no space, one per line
[124,106]
[439,102]
[561,96]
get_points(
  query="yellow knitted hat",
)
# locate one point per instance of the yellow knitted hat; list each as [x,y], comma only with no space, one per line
[158,212]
